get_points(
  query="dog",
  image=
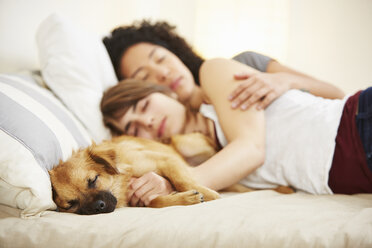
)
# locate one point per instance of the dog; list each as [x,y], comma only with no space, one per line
[96,179]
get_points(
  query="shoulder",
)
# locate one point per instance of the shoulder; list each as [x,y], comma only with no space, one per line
[217,81]
[224,70]
[253,59]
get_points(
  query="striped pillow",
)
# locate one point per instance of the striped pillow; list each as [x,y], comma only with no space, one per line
[36,131]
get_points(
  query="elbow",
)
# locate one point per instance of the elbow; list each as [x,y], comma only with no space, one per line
[261,154]
[259,148]
[255,156]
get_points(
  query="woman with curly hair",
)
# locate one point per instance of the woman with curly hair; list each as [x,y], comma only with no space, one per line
[155,52]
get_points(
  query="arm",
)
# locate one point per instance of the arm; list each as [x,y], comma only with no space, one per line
[266,87]
[298,80]
[245,131]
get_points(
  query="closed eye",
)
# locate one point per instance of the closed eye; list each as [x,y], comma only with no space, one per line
[160,59]
[145,106]
[145,77]
[92,183]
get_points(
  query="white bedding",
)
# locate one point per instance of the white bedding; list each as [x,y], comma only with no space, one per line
[257,219]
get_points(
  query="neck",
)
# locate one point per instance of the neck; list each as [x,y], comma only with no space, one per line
[196,98]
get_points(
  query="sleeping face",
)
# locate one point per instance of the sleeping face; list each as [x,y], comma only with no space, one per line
[153,63]
[156,117]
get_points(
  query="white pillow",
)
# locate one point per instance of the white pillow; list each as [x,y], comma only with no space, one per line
[76,66]
[36,131]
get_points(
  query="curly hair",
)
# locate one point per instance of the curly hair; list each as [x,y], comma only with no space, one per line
[159,33]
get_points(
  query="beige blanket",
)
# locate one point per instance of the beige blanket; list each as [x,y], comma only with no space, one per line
[257,219]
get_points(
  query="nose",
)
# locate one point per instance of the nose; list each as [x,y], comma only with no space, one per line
[146,125]
[161,73]
[101,202]
[99,206]
[145,119]
[150,121]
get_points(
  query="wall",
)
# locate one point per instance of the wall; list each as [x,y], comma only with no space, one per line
[332,40]
[329,39]
[225,28]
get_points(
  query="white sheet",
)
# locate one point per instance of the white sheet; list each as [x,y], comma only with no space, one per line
[257,219]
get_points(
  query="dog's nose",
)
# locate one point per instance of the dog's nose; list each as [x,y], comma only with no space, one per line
[99,206]
[102,202]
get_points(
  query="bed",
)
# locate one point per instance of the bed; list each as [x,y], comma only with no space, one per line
[46,115]
[258,219]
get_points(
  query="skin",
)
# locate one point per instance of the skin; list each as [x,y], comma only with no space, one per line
[153,63]
[158,117]
[246,132]
[156,64]
[264,88]
[245,151]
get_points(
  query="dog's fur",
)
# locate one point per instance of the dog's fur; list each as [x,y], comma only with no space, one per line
[95,179]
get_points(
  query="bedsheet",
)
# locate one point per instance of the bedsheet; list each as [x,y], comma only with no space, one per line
[257,219]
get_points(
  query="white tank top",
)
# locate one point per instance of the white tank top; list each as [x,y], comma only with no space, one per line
[300,139]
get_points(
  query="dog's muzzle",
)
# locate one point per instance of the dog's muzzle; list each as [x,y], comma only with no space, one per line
[102,202]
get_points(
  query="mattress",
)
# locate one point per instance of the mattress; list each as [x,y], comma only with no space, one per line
[257,219]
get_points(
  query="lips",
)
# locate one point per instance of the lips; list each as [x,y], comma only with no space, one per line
[174,85]
[162,127]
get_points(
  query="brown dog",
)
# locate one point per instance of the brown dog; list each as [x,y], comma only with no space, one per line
[95,179]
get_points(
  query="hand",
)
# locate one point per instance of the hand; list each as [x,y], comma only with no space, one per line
[144,189]
[261,88]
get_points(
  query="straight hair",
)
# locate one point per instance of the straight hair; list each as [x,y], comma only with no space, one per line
[117,100]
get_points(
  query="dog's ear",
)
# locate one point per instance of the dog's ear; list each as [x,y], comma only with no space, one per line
[105,157]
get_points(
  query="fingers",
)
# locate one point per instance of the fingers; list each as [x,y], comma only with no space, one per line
[261,89]
[246,93]
[146,188]
[236,95]
[269,98]
[138,188]
[255,90]
[149,196]
[257,96]
[130,190]
[241,76]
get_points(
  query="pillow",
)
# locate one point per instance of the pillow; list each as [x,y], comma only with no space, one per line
[36,131]
[76,66]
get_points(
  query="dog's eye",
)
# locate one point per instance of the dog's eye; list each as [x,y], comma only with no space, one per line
[92,183]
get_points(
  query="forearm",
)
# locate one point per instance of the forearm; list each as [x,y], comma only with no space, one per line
[300,81]
[230,165]
[315,87]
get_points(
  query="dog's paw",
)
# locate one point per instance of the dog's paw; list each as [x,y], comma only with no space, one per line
[179,198]
[191,197]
